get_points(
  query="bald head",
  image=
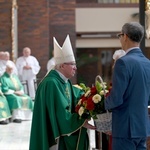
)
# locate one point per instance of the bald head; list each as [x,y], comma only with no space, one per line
[6,56]
[9,68]
[26,52]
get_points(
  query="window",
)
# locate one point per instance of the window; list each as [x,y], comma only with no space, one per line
[118,1]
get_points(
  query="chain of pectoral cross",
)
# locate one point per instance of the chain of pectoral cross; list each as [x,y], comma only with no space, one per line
[14,82]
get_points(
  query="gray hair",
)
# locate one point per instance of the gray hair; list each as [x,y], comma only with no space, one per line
[134,30]
[57,67]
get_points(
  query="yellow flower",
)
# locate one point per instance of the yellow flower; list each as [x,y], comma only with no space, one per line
[79,102]
[102,92]
[96,98]
[87,93]
[81,111]
[77,86]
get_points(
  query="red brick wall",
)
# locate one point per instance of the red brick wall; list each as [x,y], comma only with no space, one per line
[33,30]
[62,22]
[5,25]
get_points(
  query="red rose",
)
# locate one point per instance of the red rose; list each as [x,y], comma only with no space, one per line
[83,99]
[90,104]
[93,90]
[77,108]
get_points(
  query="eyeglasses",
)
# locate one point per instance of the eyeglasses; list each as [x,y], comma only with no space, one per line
[72,64]
[119,35]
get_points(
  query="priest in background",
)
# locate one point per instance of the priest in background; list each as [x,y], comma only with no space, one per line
[21,105]
[7,60]
[4,59]
[28,67]
[2,64]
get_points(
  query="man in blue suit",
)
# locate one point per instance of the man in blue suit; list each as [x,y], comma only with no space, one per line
[130,92]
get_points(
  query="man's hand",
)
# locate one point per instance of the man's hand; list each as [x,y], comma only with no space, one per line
[18,93]
[27,67]
[89,126]
[108,133]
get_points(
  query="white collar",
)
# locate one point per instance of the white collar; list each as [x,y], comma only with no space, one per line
[62,76]
[130,49]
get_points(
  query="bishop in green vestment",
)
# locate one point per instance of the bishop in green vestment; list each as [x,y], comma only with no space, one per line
[54,114]
[20,104]
[10,84]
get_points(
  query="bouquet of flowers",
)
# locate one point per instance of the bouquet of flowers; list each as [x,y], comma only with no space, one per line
[92,102]
[91,105]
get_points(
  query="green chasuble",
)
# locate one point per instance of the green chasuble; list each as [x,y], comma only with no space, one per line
[10,84]
[4,108]
[54,116]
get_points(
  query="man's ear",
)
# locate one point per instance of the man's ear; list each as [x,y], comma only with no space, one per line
[126,37]
[61,65]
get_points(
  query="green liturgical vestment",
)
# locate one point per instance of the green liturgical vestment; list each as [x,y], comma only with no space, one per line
[4,108]
[54,116]
[10,84]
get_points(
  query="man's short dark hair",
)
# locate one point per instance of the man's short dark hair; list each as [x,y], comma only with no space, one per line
[134,31]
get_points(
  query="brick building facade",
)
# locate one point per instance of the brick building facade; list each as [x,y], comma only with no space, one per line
[38,22]
[5,25]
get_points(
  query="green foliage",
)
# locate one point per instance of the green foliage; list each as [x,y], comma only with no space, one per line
[98,86]
[84,87]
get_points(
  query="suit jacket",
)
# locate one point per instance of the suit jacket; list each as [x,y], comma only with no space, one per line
[129,96]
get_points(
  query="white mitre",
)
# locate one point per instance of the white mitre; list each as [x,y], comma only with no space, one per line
[63,54]
[118,53]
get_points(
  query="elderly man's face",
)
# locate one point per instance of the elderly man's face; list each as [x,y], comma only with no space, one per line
[6,57]
[9,70]
[69,69]
[26,52]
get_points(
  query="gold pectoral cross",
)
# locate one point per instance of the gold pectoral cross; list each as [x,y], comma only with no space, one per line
[67,92]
